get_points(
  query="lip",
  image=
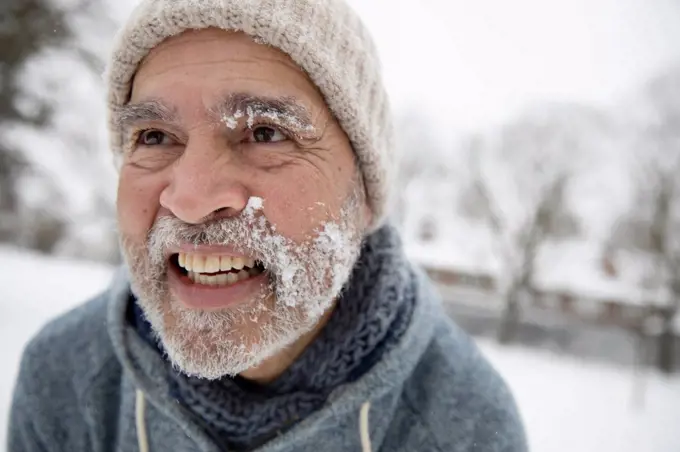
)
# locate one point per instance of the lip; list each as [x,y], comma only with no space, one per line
[206,250]
[211,298]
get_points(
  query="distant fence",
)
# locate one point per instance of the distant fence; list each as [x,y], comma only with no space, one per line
[605,311]
[580,325]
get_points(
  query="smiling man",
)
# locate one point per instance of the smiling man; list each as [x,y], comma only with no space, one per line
[266,304]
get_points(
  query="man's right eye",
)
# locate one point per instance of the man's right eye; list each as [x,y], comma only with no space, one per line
[153,138]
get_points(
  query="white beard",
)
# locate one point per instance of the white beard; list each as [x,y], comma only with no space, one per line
[304,280]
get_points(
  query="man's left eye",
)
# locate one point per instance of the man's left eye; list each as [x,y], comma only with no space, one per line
[266,134]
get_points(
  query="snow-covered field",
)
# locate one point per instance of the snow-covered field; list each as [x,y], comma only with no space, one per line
[34,289]
[568,405]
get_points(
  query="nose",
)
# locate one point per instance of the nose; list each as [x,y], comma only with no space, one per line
[205,183]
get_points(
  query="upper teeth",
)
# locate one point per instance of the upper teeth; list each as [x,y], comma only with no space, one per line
[198,263]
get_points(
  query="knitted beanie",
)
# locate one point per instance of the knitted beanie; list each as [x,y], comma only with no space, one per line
[324,37]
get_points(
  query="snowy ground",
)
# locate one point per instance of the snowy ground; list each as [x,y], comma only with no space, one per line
[568,405]
[34,289]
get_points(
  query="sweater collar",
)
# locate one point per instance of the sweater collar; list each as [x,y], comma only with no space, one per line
[385,371]
[369,318]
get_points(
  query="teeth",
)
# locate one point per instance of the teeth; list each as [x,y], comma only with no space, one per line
[223,279]
[198,263]
[225,263]
[212,264]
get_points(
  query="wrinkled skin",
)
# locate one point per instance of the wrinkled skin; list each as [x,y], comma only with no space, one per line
[198,164]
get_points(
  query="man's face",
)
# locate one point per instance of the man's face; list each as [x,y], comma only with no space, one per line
[239,206]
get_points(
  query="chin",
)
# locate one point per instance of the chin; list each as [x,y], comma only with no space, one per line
[215,344]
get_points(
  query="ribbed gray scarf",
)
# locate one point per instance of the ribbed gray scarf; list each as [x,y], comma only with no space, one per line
[371,315]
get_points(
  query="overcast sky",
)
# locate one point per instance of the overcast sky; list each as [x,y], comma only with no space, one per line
[478,61]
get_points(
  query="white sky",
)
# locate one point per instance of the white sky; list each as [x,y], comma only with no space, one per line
[475,62]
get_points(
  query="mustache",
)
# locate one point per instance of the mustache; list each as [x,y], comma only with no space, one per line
[245,233]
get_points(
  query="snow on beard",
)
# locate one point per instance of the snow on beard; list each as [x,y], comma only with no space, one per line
[304,279]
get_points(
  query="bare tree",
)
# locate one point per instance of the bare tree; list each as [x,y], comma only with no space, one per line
[653,224]
[652,228]
[518,187]
[665,238]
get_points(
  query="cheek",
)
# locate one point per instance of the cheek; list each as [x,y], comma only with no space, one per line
[137,205]
[305,201]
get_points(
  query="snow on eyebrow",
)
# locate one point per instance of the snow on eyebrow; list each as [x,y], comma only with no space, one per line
[231,121]
[284,111]
[283,118]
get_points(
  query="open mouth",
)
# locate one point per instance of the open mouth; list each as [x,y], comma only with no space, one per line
[216,270]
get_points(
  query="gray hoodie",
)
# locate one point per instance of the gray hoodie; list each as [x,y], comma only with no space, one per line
[88,382]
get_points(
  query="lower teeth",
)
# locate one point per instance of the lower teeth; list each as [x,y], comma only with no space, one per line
[223,279]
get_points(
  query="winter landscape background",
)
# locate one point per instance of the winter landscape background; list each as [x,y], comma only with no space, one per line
[539,187]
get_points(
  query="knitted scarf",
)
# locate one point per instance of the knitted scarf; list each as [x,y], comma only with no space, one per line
[371,315]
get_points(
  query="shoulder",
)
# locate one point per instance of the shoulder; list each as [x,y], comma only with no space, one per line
[59,365]
[461,398]
[76,341]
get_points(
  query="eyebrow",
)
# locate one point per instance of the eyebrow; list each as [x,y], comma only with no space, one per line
[232,106]
[286,109]
[147,111]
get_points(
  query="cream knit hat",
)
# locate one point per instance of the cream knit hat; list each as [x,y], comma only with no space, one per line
[324,37]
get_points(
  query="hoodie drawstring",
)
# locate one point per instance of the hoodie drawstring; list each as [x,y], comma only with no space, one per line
[363,427]
[142,438]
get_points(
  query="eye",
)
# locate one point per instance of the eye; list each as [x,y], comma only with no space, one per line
[266,134]
[153,137]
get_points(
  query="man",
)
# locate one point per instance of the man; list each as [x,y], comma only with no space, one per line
[266,305]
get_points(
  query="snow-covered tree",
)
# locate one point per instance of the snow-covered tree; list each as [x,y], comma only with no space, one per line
[27,27]
[652,226]
[56,180]
[519,182]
